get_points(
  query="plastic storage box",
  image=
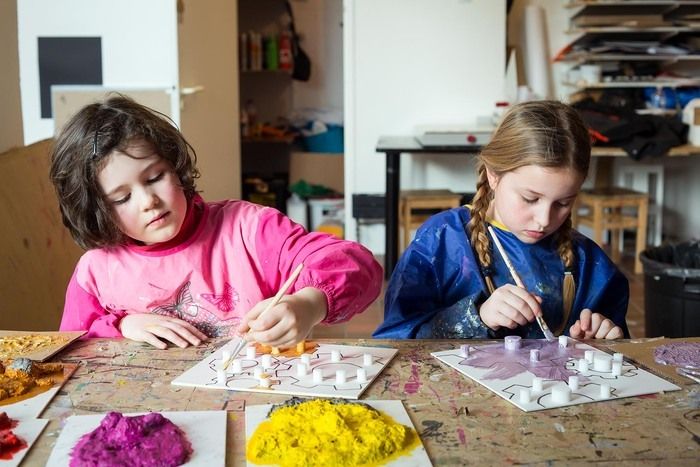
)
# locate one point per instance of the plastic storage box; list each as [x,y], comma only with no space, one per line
[328,141]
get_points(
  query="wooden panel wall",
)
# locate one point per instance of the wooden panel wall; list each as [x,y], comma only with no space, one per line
[38,254]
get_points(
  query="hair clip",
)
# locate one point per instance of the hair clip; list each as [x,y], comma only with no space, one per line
[94,144]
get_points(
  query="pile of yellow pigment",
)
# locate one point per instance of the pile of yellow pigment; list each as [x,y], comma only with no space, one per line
[323,432]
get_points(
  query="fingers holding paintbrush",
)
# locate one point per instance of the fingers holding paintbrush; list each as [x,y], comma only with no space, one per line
[285,320]
[516,278]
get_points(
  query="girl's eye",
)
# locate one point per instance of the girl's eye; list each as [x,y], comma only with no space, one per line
[530,201]
[156,178]
[564,204]
[122,200]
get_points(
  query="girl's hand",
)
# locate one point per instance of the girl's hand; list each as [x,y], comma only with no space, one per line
[510,306]
[149,327]
[591,325]
[288,322]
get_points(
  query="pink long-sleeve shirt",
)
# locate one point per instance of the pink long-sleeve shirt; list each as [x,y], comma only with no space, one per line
[235,255]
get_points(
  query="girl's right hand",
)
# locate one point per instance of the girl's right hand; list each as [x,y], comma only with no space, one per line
[510,306]
[149,327]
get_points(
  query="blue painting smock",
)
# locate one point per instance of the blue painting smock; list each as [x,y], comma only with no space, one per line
[438,287]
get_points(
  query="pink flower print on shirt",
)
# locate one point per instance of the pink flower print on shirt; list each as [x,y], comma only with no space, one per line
[225,301]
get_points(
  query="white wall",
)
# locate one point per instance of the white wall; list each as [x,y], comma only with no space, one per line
[409,63]
[320,24]
[139,46]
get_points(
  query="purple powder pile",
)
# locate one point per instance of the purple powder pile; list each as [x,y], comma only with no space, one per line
[144,441]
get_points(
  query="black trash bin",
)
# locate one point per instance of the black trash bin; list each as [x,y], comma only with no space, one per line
[672,290]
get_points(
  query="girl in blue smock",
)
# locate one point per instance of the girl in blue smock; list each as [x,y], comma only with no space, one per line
[452,282]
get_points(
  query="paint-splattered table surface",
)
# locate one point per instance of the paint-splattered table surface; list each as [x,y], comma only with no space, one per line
[459,421]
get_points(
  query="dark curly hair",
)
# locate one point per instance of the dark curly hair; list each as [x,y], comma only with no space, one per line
[79,154]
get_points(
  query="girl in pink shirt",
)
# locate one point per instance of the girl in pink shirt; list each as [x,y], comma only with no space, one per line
[163,265]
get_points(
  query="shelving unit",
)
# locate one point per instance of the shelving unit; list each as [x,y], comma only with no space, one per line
[635,41]
[264,158]
[637,45]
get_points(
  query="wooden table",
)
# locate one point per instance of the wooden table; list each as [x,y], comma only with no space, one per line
[459,421]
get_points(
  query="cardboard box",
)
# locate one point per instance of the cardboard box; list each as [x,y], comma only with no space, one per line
[318,169]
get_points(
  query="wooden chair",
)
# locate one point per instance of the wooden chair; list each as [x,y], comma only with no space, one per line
[606,213]
[424,200]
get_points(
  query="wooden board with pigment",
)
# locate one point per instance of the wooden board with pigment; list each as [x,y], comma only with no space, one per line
[537,375]
[27,432]
[415,455]
[31,403]
[323,370]
[35,345]
[205,430]
[643,353]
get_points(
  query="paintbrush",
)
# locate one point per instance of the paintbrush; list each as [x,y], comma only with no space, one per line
[275,300]
[540,320]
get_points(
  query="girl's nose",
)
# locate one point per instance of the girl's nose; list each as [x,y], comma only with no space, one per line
[149,200]
[542,215]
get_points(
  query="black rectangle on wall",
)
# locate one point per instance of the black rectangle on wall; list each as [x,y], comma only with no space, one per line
[67,60]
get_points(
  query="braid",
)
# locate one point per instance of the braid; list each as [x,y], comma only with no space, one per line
[477,223]
[566,252]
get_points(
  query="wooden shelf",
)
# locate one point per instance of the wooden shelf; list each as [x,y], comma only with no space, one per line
[266,140]
[267,72]
[632,29]
[581,3]
[635,84]
[678,151]
[582,57]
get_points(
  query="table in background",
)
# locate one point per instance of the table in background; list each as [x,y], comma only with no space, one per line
[459,421]
[394,146]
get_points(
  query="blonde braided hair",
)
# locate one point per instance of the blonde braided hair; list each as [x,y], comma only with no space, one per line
[543,133]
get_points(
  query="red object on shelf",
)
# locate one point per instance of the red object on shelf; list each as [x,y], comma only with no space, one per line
[285,51]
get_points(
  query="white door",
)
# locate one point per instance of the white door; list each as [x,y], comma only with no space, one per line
[139,48]
[125,44]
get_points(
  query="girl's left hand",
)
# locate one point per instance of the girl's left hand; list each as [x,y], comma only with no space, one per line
[594,326]
[288,322]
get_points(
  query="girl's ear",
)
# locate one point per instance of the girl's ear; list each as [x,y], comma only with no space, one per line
[493,178]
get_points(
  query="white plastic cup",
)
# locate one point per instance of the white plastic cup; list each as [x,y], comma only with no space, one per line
[267,361]
[335,356]
[524,396]
[561,394]
[573,383]
[537,385]
[512,342]
[250,352]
